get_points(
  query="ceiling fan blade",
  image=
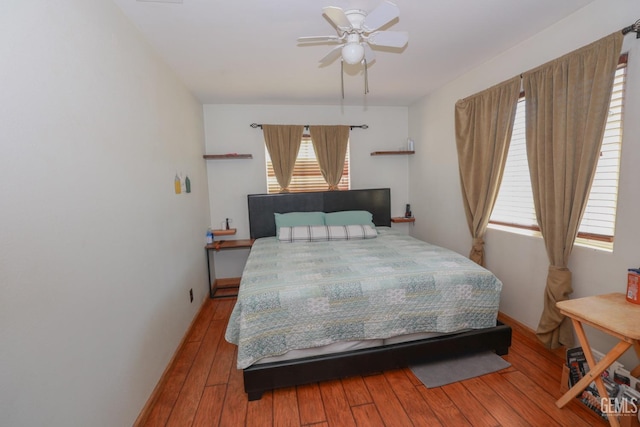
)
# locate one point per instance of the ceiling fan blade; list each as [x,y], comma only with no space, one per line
[383,14]
[311,39]
[338,17]
[332,55]
[369,54]
[388,38]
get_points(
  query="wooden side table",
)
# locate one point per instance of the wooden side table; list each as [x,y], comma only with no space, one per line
[215,284]
[614,315]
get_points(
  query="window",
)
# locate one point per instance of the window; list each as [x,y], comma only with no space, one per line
[306,172]
[514,205]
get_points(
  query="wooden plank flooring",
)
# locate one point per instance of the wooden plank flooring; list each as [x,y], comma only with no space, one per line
[203,388]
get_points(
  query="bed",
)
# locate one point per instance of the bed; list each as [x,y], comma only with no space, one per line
[423,310]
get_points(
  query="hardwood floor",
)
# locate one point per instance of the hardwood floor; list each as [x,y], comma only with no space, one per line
[203,388]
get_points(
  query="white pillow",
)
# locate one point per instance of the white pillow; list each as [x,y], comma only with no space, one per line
[317,233]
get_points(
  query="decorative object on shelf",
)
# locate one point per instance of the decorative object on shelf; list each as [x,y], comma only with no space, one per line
[177,186]
[407,211]
[187,184]
[183,184]
[410,145]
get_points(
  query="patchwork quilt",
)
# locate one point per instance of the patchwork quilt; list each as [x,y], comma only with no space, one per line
[296,295]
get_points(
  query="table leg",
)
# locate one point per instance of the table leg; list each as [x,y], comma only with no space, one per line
[595,369]
[636,371]
[602,390]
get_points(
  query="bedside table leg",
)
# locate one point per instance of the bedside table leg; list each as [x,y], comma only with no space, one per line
[211,292]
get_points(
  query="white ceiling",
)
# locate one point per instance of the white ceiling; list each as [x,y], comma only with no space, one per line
[246,51]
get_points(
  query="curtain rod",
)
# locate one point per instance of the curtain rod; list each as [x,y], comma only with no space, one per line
[256,125]
[635,27]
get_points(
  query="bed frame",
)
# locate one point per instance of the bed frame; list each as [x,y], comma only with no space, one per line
[259,378]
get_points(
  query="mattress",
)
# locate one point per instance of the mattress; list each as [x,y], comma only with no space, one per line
[306,295]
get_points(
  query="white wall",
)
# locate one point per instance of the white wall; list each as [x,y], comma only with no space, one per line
[521,261]
[230,181]
[97,253]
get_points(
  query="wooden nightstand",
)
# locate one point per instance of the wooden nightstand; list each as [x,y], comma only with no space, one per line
[227,283]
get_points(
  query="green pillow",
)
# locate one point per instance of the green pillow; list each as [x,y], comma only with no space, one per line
[293,219]
[349,218]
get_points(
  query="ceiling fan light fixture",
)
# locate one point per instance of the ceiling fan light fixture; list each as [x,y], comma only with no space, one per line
[357,32]
[352,53]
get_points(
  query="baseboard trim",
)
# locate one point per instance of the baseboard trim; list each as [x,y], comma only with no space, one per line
[521,327]
[146,409]
[529,333]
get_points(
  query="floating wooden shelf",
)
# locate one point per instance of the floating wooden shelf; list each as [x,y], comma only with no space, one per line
[228,232]
[227,156]
[388,153]
[402,219]
[230,244]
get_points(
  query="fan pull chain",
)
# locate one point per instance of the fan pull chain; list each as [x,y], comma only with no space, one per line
[366,78]
[342,76]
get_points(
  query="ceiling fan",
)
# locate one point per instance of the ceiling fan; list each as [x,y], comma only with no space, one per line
[357,32]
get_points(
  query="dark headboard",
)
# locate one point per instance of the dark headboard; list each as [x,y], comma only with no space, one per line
[263,206]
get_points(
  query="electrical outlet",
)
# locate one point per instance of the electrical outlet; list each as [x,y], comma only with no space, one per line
[191,295]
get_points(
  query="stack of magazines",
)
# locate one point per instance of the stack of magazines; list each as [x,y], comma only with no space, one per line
[618,384]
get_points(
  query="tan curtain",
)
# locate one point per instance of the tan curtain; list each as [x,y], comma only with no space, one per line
[283,144]
[330,146]
[567,102]
[484,123]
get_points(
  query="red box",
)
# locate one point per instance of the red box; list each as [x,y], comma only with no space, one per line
[633,287]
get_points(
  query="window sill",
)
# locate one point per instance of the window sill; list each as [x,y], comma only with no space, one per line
[594,244]
[515,230]
[585,243]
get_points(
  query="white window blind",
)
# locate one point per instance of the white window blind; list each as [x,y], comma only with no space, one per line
[514,205]
[306,172]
